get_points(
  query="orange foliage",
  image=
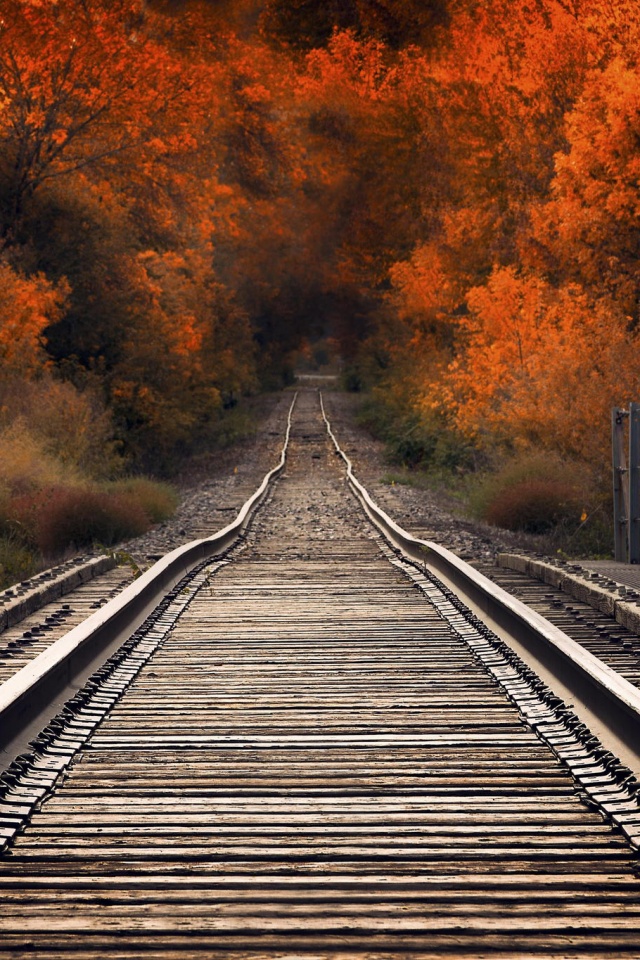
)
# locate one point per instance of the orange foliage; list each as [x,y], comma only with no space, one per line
[27,306]
[450,186]
[590,226]
[540,367]
[530,260]
[81,85]
[178,365]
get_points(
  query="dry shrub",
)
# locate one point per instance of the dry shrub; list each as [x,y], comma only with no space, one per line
[26,464]
[60,518]
[534,506]
[158,500]
[535,494]
[55,441]
[17,562]
[68,426]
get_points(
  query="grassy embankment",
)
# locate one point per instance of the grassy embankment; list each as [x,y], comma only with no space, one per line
[63,485]
[564,506]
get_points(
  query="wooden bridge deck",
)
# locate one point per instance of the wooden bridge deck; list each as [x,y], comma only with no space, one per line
[313,764]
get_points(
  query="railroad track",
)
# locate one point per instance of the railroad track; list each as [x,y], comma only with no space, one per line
[312,747]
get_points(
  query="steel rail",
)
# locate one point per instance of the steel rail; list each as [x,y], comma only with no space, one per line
[306,755]
[607,703]
[38,690]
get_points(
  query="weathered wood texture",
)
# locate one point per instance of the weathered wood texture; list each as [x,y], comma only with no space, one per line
[594,628]
[313,765]
[21,643]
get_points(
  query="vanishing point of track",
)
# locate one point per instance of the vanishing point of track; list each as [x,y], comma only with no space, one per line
[312,750]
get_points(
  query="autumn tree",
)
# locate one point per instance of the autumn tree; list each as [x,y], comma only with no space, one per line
[190,190]
[305,25]
[589,227]
[27,306]
[81,84]
[186,353]
[538,367]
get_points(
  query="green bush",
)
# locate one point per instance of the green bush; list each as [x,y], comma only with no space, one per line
[418,442]
[232,426]
[351,379]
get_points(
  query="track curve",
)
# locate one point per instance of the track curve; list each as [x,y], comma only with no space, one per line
[307,753]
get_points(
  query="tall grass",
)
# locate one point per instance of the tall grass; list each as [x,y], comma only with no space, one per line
[564,503]
[71,427]
[54,520]
[55,493]
[156,498]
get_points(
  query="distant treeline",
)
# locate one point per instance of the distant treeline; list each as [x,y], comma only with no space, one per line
[189,191]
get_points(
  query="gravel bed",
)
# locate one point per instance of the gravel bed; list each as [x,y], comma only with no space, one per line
[212,494]
[427,514]
[213,490]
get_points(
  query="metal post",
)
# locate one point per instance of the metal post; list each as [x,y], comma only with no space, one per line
[620,486]
[634,483]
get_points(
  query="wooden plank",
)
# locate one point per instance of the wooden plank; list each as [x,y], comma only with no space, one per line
[313,763]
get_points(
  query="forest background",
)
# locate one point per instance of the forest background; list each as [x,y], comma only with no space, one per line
[442,193]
